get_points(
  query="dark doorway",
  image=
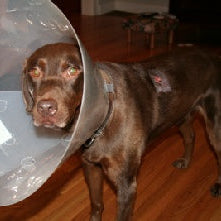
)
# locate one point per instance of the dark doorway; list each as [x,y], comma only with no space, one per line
[200,20]
[68,7]
[204,11]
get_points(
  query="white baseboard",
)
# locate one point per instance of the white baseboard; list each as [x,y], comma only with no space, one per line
[134,7]
[99,7]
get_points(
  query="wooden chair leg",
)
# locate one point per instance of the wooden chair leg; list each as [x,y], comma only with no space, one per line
[129,37]
[152,40]
[170,39]
[147,37]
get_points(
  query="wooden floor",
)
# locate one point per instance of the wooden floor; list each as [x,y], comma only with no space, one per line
[164,193]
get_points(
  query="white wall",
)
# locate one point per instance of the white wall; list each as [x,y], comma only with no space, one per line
[106,6]
[98,7]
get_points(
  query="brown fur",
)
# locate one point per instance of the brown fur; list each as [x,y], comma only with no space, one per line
[140,112]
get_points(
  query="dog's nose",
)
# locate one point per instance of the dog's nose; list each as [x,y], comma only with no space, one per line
[47,107]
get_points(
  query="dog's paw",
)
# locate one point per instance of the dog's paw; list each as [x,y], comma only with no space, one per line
[180,163]
[216,190]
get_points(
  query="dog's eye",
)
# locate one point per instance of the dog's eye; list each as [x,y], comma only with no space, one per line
[35,72]
[71,72]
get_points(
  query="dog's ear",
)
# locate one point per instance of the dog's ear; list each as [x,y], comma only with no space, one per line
[27,89]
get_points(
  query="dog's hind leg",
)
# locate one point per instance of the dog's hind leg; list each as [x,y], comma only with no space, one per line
[212,114]
[187,131]
[94,178]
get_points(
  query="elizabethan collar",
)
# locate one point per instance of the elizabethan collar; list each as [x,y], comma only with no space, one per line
[29,155]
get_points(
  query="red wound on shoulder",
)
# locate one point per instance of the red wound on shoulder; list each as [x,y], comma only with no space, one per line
[157,79]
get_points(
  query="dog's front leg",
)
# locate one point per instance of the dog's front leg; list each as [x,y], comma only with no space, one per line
[123,175]
[126,194]
[94,178]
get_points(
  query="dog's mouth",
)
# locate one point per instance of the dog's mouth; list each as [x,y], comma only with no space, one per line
[58,121]
[48,123]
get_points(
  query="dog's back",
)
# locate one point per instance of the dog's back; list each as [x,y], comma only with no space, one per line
[166,88]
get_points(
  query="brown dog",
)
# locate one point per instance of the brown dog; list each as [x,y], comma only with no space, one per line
[148,98]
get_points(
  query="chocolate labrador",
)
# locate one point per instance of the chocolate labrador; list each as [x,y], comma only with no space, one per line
[148,98]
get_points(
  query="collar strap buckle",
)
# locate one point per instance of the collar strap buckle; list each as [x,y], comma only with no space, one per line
[91,140]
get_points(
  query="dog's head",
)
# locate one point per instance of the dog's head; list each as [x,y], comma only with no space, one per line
[53,85]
